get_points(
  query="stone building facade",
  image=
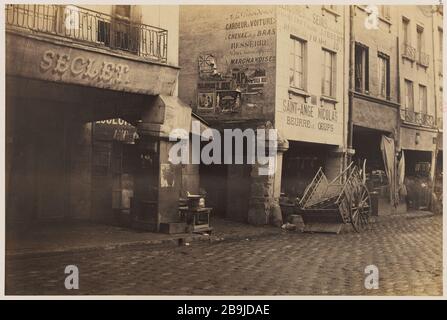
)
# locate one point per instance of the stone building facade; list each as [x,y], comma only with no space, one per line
[420,42]
[91,97]
[374,94]
[94,92]
[331,79]
[438,37]
[249,67]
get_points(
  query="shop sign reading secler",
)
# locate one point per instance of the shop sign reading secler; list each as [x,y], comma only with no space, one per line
[86,68]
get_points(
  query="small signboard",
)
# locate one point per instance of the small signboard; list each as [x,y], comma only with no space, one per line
[114,129]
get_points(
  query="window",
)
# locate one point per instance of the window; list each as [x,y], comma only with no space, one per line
[409,95]
[423,99]
[406,31]
[440,37]
[297,77]
[122,27]
[122,12]
[440,104]
[384,75]
[104,32]
[328,79]
[361,68]
[118,33]
[439,56]
[385,12]
[408,51]
[420,41]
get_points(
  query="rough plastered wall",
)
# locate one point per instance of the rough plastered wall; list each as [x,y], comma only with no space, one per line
[371,110]
[227,60]
[305,114]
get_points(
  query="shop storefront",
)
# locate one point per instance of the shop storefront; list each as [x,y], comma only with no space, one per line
[300,164]
[73,110]
[419,149]
[115,159]
[375,155]
[437,205]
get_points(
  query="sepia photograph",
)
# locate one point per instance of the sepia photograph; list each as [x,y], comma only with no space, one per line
[194,150]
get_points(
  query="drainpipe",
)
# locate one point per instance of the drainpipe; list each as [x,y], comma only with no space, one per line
[435,66]
[351,78]
[435,82]
[343,163]
[397,139]
[399,95]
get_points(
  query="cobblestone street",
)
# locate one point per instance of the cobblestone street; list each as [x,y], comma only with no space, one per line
[408,253]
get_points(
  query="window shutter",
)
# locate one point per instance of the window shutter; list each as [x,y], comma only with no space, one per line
[323,71]
[135,20]
[388,79]
[333,75]
[366,52]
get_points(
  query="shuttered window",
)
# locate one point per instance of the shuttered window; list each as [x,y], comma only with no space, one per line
[329,73]
[384,75]
[361,68]
[409,95]
[297,63]
[423,99]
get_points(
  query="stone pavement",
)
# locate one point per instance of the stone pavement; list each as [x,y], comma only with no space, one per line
[64,237]
[408,253]
[56,238]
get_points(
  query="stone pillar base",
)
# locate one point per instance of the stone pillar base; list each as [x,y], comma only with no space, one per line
[157,186]
[265,191]
[334,163]
[259,212]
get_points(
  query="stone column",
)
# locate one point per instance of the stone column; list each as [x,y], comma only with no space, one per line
[334,163]
[170,185]
[190,177]
[261,197]
[433,165]
[283,146]
[80,171]
[157,185]
[158,182]
[265,191]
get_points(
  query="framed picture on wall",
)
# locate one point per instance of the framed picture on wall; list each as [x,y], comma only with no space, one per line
[206,101]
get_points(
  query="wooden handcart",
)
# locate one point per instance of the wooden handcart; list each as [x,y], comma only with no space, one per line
[345,199]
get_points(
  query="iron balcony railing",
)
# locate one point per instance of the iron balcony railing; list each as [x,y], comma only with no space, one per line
[424,59]
[417,118]
[91,28]
[409,52]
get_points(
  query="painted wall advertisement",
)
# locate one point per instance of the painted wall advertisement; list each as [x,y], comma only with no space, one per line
[236,82]
[304,121]
[305,114]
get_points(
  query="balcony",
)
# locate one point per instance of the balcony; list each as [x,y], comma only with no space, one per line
[424,59]
[417,118]
[90,28]
[409,52]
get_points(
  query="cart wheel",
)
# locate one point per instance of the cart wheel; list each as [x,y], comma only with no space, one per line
[360,209]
